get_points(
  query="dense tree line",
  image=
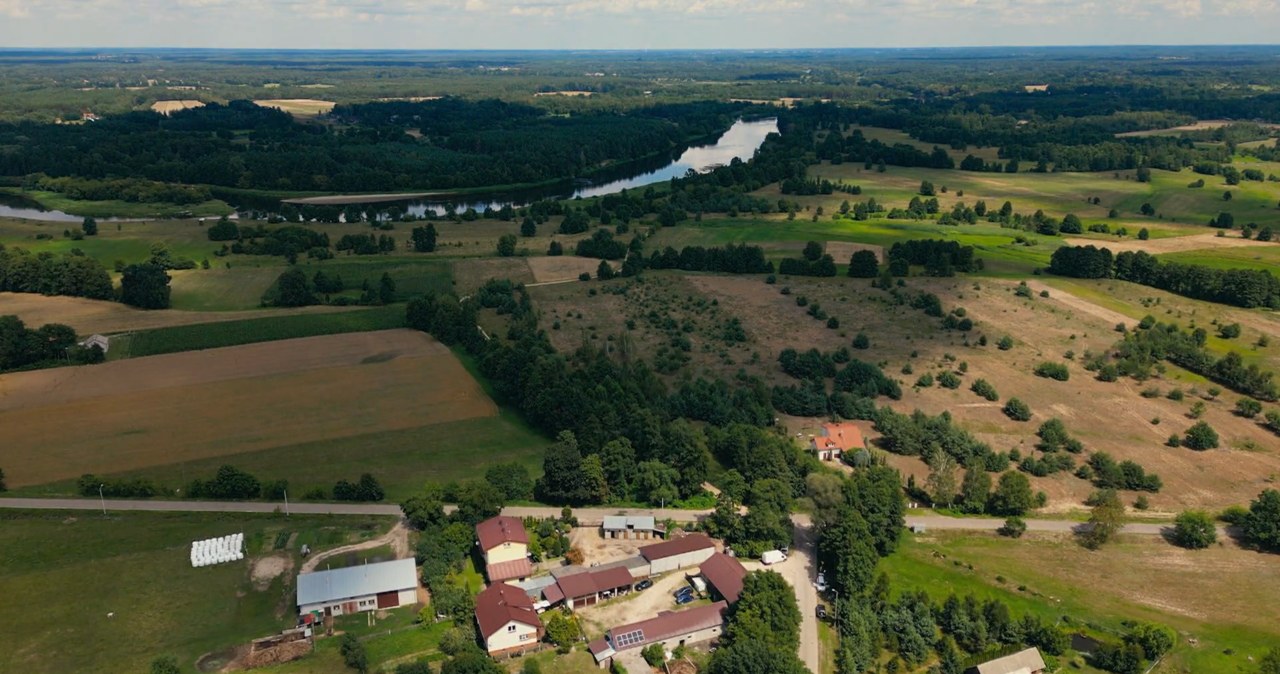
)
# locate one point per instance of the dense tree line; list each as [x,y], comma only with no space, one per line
[622,434]
[72,274]
[1139,352]
[132,190]
[939,257]
[461,144]
[1247,288]
[729,259]
[53,343]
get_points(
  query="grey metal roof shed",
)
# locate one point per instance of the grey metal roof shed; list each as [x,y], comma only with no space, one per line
[356,581]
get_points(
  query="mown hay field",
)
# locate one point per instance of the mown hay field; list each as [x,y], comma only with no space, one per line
[145,413]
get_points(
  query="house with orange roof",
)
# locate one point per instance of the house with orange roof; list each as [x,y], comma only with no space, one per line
[833,440]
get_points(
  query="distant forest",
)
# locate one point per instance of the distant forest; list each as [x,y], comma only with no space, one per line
[443,144]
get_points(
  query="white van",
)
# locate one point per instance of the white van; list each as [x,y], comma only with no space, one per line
[773,557]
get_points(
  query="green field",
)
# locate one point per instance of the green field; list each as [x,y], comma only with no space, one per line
[116,208]
[1266,258]
[109,594]
[234,333]
[402,460]
[1221,597]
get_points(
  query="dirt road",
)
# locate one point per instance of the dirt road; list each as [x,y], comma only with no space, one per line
[397,538]
[800,570]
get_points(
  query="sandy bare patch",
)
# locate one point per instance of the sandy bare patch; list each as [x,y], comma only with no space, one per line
[298,106]
[90,316]
[1202,125]
[170,107]
[267,569]
[1082,305]
[144,412]
[1174,244]
[562,268]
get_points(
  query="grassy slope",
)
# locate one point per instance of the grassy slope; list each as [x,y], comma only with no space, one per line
[72,571]
[1223,601]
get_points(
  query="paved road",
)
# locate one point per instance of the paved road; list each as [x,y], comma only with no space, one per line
[587,516]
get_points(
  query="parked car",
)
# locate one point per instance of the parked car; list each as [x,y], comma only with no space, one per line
[644,584]
[685,589]
[682,599]
[822,612]
[821,583]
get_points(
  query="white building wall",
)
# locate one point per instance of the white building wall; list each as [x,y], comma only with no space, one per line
[688,559]
[522,636]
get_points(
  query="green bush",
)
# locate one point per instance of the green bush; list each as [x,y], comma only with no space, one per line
[1017,410]
[1051,370]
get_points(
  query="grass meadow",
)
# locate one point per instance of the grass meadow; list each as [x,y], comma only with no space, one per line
[1219,600]
[110,593]
[235,333]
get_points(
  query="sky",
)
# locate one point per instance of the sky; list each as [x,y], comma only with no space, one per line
[631,24]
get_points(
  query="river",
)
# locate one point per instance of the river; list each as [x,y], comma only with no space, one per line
[739,142]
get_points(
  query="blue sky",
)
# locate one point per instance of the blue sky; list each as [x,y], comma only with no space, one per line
[631,24]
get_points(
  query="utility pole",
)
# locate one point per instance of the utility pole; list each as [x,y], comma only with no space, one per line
[103,499]
[286,503]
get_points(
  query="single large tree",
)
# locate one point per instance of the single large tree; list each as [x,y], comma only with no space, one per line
[1105,520]
[1012,495]
[1194,529]
[294,289]
[1262,525]
[766,613]
[864,264]
[424,239]
[755,658]
[145,286]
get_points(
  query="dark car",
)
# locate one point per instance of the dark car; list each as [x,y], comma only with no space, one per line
[685,591]
[822,612]
[644,584]
[684,599]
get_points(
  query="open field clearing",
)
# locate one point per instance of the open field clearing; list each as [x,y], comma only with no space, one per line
[895,136]
[471,273]
[298,107]
[128,241]
[223,289]
[1202,125]
[90,316]
[1061,193]
[150,412]
[134,566]
[170,107]
[561,268]
[1110,417]
[1235,257]
[1219,600]
[1212,244]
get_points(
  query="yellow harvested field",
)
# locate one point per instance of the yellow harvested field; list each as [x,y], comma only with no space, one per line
[133,414]
[298,106]
[90,316]
[1173,244]
[551,269]
[170,107]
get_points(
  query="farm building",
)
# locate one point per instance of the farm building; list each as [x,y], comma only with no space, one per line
[505,545]
[586,587]
[836,439]
[632,528]
[101,341]
[1023,662]
[669,628]
[724,574]
[358,588]
[678,553]
[506,619]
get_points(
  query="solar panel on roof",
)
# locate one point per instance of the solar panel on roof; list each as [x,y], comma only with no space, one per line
[630,639]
